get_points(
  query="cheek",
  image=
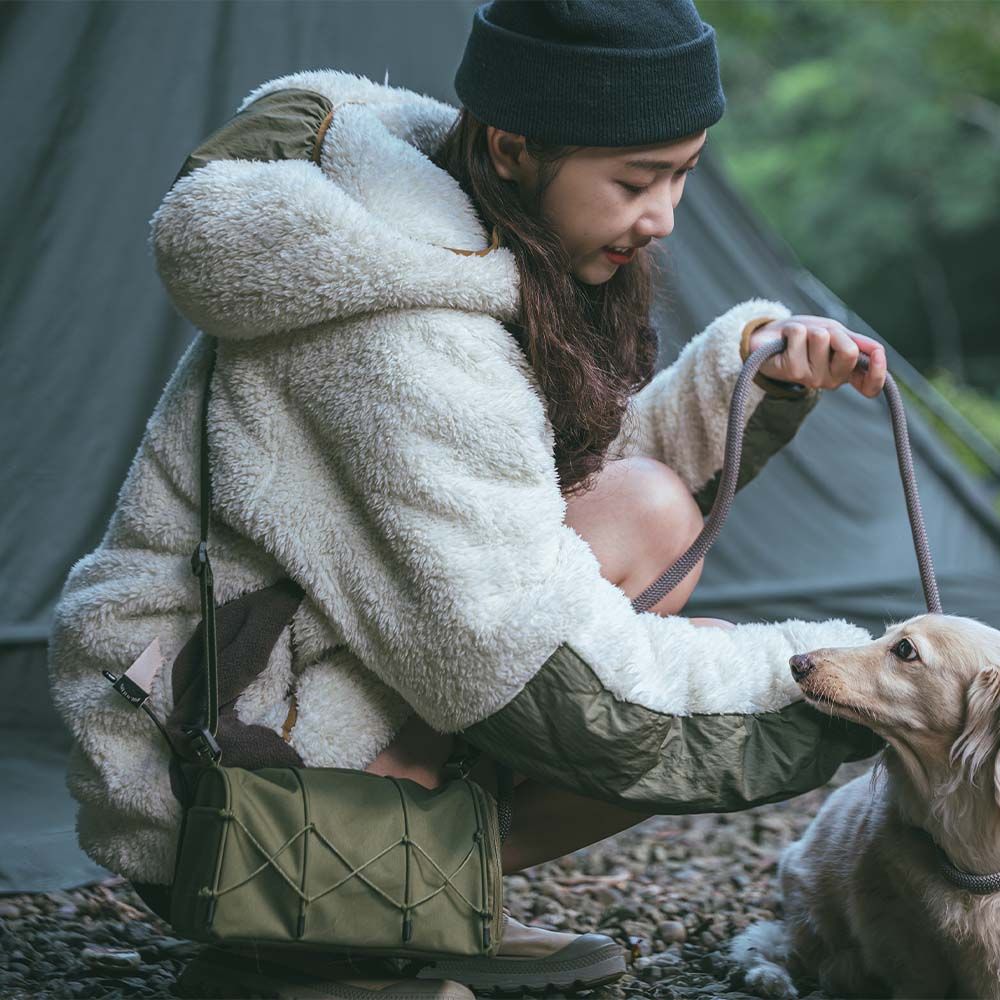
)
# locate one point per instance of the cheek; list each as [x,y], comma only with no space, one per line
[944,701]
[592,218]
[908,696]
[892,685]
[609,213]
[856,673]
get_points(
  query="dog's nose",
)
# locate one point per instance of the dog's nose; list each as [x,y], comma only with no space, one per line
[801,665]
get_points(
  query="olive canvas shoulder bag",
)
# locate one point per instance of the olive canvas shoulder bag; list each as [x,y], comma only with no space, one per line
[316,858]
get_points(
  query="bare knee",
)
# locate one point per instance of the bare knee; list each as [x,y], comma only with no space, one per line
[667,522]
[639,518]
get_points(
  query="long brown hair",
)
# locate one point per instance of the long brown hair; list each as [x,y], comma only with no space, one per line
[590,346]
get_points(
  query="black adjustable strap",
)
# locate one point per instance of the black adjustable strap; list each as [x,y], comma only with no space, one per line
[202,737]
[462,760]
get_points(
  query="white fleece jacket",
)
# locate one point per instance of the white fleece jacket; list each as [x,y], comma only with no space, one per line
[377,435]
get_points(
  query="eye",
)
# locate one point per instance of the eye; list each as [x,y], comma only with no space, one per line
[635,190]
[905,650]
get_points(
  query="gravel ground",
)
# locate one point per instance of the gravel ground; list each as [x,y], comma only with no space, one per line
[673,889]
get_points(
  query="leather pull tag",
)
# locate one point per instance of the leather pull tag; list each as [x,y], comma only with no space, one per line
[289,724]
[146,666]
[135,684]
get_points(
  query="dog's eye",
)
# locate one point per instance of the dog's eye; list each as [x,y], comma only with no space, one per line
[905,650]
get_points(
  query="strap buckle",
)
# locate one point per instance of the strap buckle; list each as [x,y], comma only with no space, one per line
[462,760]
[199,560]
[203,743]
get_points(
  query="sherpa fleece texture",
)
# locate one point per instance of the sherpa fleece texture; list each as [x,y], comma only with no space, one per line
[377,435]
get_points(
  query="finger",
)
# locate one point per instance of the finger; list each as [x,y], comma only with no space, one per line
[818,350]
[844,354]
[795,359]
[877,367]
[815,320]
[870,383]
[867,344]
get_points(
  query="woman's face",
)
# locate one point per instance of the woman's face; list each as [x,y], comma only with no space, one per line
[603,196]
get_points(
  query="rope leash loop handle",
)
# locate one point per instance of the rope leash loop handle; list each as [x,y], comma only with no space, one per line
[676,572]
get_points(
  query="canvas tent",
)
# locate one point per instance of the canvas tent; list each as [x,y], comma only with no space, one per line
[106,101]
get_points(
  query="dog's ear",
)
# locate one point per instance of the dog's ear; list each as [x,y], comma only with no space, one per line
[979,741]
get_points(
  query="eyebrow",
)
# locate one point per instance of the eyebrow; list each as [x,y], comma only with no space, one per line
[663,164]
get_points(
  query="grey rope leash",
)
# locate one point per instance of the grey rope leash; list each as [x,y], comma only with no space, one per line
[673,575]
[973,882]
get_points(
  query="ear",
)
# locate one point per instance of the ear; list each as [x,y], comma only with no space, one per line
[980,738]
[506,150]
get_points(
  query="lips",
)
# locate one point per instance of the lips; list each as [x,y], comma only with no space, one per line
[826,700]
[619,258]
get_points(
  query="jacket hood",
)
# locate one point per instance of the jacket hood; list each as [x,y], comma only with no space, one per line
[247,247]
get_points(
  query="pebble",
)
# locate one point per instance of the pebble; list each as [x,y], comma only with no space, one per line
[672,890]
[107,958]
[671,930]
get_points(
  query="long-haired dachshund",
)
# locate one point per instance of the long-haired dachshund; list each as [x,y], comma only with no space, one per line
[888,893]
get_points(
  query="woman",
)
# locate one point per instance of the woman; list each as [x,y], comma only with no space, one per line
[456,446]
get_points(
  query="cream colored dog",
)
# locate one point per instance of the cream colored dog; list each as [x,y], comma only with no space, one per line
[869,909]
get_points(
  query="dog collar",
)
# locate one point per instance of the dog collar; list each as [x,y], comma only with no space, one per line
[981,885]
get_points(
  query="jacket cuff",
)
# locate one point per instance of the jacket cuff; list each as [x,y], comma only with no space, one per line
[566,729]
[775,388]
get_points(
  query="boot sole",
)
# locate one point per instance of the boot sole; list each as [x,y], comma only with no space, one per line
[535,976]
[213,990]
[222,982]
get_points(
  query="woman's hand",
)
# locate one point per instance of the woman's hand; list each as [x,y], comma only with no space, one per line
[821,354]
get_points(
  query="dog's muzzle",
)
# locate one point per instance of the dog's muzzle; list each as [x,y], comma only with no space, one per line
[801,665]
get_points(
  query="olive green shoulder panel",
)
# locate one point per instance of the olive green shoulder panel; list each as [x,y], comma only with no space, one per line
[565,728]
[771,426]
[283,125]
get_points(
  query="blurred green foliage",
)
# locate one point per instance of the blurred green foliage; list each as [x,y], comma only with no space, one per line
[868,134]
[981,410]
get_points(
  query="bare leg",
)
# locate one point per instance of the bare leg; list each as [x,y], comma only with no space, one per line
[638,518]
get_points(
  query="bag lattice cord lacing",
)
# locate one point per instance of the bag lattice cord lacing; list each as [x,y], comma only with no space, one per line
[405,908]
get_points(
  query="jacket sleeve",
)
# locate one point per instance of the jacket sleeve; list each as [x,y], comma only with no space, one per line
[680,416]
[463,589]
[232,236]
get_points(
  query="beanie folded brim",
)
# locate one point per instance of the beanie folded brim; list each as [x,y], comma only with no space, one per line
[631,97]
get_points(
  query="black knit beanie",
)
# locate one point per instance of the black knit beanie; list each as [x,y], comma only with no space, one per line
[592,72]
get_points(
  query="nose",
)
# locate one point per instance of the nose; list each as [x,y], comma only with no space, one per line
[801,665]
[659,222]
